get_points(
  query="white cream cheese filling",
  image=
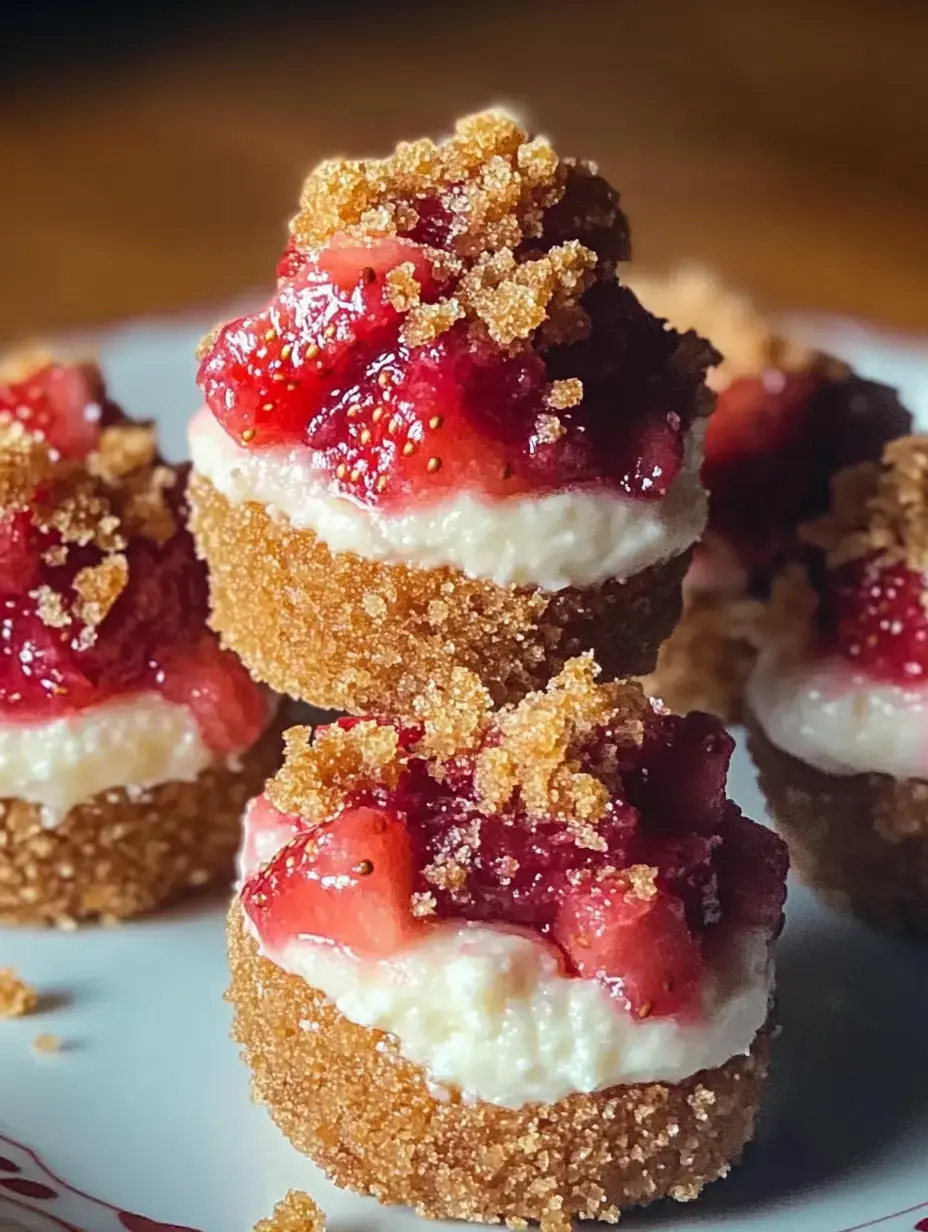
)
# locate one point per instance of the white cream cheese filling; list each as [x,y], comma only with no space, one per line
[133,742]
[839,720]
[570,538]
[489,1012]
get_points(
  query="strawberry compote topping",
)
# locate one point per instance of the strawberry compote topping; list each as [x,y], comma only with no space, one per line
[869,567]
[583,815]
[100,591]
[449,319]
[773,445]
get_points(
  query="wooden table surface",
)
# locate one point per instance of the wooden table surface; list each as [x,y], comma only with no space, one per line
[785,143]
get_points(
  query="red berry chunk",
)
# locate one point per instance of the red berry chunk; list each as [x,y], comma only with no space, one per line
[639,947]
[230,710]
[326,366]
[62,403]
[752,865]
[877,618]
[349,881]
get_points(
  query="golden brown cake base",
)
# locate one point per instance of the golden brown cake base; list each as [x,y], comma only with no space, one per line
[351,634]
[119,855]
[704,664]
[345,1096]
[860,841]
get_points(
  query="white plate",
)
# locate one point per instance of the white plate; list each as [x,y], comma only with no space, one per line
[146,1107]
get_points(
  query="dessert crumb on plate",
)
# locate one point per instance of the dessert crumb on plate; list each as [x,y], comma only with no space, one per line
[45,1044]
[297,1212]
[17,996]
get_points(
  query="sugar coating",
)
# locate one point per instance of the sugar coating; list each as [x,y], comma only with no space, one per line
[343,632]
[860,841]
[296,1212]
[124,852]
[345,1096]
[17,996]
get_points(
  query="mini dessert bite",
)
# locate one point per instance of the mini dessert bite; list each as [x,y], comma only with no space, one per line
[452,437]
[787,419]
[129,740]
[509,965]
[837,703]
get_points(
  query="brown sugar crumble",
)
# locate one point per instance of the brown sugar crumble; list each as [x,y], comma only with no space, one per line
[297,1212]
[46,1044]
[526,755]
[879,509]
[17,997]
[117,493]
[525,231]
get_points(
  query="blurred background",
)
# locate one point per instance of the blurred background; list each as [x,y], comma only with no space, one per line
[150,155]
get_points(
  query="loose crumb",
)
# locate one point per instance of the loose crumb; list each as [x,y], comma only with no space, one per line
[297,1212]
[17,997]
[46,1044]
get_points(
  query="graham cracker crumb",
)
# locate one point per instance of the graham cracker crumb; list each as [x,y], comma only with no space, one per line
[25,462]
[548,428]
[456,717]
[17,997]
[122,449]
[539,737]
[564,394]
[297,1212]
[98,587]
[23,362]
[515,217]
[323,769]
[45,1044]
[423,904]
[642,880]
[879,510]
[402,289]
[50,607]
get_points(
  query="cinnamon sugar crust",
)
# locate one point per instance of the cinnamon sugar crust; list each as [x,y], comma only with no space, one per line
[296,1212]
[860,841]
[345,1096]
[128,851]
[346,633]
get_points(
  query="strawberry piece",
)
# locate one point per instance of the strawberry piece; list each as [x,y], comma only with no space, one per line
[63,403]
[348,881]
[878,620]
[639,947]
[230,709]
[326,365]
[265,830]
[19,564]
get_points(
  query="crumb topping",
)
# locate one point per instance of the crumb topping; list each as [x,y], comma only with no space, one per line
[527,754]
[522,230]
[122,449]
[879,510]
[322,769]
[785,624]
[17,997]
[25,463]
[46,1044]
[98,587]
[297,1212]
